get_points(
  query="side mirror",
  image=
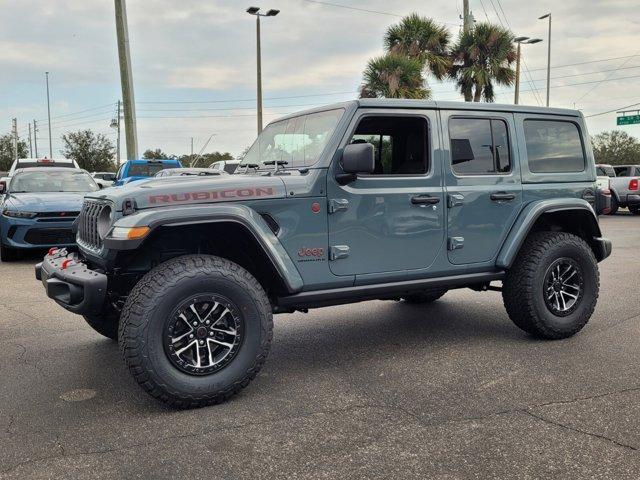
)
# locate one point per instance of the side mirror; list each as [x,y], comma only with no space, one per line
[358,158]
[3,187]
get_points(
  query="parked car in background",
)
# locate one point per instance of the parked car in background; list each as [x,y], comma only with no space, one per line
[188,172]
[104,179]
[133,170]
[42,162]
[39,207]
[604,170]
[625,188]
[228,166]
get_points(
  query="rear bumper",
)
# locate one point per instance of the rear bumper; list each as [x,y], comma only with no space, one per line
[76,288]
[602,248]
[633,200]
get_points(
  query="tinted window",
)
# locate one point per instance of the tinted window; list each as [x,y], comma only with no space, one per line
[400,144]
[479,146]
[296,142]
[147,169]
[553,146]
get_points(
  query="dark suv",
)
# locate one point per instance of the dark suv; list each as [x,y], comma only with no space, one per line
[370,199]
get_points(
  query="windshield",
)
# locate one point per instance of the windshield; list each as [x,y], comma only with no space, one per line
[294,143]
[147,169]
[39,182]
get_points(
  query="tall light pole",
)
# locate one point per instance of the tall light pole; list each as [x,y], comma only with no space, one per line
[520,41]
[548,15]
[49,116]
[270,13]
[126,79]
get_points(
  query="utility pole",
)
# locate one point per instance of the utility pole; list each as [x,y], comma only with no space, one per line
[548,15]
[35,138]
[14,137]
[126,79]
[466,16]
[191,146]
[49,117]
[30,144]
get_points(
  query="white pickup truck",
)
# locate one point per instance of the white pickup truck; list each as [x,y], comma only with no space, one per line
[625,186]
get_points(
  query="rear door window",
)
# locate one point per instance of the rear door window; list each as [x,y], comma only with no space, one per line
[479,146]
[553,146]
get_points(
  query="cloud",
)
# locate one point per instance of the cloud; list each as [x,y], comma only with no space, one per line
[207,77]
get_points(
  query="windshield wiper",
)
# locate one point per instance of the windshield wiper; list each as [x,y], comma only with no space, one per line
[273,162]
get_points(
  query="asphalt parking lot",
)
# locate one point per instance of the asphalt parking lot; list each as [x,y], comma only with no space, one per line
[372,390]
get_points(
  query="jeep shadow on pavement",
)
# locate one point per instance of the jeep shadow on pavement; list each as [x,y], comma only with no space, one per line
[370,199]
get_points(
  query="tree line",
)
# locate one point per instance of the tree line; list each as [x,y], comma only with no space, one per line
[95,152]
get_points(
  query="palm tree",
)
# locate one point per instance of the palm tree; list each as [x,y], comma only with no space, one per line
[423,39]
[394,76]
[483,56]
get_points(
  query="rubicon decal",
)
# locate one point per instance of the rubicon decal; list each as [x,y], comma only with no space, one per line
[233,193]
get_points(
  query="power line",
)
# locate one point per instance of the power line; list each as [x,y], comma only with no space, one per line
[251,99]
[611,111]
[605,79]
[365,10]
[584,63]
[110,105]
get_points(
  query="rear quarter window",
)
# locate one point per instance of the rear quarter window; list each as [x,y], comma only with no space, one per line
[554,146]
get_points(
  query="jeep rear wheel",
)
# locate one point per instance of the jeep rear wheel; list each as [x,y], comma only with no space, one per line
[195,330]
[552,288]
[427,296]
[614,205]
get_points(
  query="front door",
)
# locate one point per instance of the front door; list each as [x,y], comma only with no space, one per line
[483,185]
[393,219]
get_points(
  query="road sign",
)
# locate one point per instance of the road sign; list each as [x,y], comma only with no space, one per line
[628,120]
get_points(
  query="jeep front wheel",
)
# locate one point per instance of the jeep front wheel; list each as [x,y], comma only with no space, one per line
[195,330]
[552,288]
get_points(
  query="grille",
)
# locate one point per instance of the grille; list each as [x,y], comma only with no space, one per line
[88,236]
[58,214]
[49,236]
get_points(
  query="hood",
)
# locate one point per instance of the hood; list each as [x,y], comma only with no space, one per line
[45,202]
[192,190]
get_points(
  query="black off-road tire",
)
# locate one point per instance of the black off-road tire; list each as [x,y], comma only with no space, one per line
[7,254]
[427,296]
[614,205]
[523,287]
[106,325]
[151,304]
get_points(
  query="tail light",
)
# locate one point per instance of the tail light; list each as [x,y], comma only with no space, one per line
[633,184]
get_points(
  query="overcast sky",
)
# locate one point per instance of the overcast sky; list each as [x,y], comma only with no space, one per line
[313,53]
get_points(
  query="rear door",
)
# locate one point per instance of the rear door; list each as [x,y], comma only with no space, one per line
[482,182]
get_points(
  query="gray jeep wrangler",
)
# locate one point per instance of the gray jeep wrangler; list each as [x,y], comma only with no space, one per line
[370,199]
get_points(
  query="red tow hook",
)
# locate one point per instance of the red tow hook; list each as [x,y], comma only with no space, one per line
[53,250]
[69,262]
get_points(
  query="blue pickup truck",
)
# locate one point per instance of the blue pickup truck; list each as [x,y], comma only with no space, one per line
[133,170]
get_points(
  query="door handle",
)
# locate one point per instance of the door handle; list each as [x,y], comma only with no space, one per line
[502,196]
[424,200]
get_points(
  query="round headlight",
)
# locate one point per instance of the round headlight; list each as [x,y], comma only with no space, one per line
[104,221]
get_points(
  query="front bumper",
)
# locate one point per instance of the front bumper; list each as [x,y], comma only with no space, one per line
[76,287]
[27,233]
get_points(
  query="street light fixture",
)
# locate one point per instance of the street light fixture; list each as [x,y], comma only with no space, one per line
[520,41]
[548,15]
[256,12]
